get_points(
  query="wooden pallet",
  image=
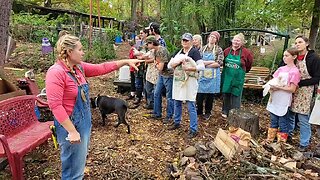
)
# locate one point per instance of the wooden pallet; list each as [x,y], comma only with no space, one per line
[256,77]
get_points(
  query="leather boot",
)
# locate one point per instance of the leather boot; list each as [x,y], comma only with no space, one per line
[282,137]
[272,133]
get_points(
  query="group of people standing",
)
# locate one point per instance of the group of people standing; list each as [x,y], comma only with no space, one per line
[196,72]
[296,99]
[192,75]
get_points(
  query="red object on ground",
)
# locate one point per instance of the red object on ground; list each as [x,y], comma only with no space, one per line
[20,131]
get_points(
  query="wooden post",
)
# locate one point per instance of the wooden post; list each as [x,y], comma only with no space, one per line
[80,27]
[99,20]
[74,24]
[90,26]
[111,23]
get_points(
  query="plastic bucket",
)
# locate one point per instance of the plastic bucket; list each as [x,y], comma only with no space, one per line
[118,40]
[124,73]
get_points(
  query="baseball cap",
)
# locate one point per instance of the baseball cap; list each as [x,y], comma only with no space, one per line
[153,25]
[150,39]
[187,36]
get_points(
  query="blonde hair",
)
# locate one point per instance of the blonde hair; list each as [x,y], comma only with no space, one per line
[198,37]
[65,44]
[62,33]
[241,37]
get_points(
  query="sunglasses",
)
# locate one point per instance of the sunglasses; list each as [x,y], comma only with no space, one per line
[185,40]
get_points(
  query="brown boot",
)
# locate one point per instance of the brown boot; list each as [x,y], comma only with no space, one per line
[272,132]
[282,137]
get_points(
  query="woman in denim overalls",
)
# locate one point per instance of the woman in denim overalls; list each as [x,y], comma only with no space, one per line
[210,78]
[68,97]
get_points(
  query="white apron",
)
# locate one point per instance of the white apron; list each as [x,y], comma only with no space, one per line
[315,114]
[280,100]
[185,84]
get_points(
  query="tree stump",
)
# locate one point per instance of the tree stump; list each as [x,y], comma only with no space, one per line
[245,120]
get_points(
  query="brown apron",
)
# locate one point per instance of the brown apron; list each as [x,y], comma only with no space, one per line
[303,96]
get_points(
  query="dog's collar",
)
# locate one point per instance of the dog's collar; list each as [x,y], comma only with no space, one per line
[96,101]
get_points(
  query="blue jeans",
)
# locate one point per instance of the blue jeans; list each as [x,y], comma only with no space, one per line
[192,114]
[163,82]
[304,125]
[139,86]
[73,156]
[149,87]
[280,122]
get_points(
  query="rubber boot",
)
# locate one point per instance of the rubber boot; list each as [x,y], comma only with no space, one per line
[272,133]
[282,137]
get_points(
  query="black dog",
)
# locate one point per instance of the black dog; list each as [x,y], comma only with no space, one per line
[108,105]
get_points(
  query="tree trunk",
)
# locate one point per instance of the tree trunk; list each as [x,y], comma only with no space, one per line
[245,120]
[142,7]
[315,24]
[134,10]
[5,8]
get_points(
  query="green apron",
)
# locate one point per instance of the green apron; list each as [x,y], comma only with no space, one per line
[233,75]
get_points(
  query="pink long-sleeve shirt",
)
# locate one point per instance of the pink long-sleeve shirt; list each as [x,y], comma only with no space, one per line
[62,90]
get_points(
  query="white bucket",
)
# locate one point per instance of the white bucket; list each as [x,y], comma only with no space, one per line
[124,73]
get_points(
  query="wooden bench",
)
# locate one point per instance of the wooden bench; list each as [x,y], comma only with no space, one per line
[256,77]
[20,131]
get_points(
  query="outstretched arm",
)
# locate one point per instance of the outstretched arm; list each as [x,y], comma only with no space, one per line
[92,70]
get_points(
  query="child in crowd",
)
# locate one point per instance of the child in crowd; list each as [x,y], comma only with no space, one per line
[132,75]
[281,97]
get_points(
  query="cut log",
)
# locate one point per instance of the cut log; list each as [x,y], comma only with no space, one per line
[245,120]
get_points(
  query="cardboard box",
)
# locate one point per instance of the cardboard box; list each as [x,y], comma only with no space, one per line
[225,144]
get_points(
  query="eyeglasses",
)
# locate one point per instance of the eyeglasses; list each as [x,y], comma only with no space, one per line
[185,40]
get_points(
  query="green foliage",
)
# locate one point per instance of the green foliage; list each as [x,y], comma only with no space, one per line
[112,33]
[282,13]
[172,30]
[29,56]
[33,27]
[171,47]
[101,50]
[267,59]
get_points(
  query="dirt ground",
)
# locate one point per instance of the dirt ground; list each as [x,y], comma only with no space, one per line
[144,154]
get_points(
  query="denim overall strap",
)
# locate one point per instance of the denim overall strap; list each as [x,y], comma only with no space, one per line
[73,156]
[209,81]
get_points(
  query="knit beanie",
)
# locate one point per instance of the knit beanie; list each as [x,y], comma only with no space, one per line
[216,34]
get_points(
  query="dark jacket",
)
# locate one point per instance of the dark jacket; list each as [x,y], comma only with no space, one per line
[313,67]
